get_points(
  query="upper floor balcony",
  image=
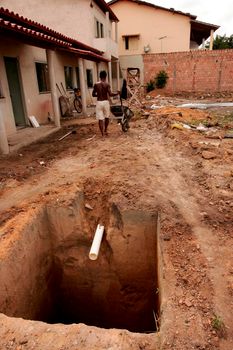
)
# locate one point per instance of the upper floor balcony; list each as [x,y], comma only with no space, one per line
[107,45]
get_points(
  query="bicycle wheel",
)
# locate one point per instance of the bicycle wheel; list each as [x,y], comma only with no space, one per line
[78,104]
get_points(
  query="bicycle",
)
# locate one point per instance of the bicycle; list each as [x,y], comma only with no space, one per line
[67,102]
[77,100]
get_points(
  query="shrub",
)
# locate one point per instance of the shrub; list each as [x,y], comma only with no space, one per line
[161,79]
[150,86]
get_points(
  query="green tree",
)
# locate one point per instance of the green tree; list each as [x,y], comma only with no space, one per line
[221,42]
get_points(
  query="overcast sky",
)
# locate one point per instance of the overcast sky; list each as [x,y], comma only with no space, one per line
[218,12]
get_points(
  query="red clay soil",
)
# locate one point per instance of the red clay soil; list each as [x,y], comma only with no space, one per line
[149,169]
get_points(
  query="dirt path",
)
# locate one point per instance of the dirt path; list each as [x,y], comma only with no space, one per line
[145,170]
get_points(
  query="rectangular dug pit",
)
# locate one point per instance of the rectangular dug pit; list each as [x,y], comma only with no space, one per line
[46,275]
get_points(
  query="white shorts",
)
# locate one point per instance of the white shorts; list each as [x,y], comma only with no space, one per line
[102,110]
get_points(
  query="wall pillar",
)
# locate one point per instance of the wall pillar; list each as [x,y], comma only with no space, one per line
[4,147]
[108,49]
[107,25]
[98,70]
[82,85]
[110,73]
[211,39]
[118,74]
[203,44]
[52,80]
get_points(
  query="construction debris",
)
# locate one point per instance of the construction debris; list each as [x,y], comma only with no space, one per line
[88,206]
[67,134]
[134,87]
[34,121]
[229,135]
[206,105]
[91,138]
[177,126]
[208,155]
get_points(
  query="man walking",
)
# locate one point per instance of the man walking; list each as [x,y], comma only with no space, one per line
[102,91]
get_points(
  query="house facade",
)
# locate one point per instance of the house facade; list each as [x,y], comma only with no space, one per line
[147,28]
[90,21]
[53,43]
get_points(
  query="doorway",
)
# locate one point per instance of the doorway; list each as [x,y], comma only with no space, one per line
[13,77]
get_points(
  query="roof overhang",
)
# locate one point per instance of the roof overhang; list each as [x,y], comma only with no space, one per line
[140,2]
[91,56]
[201,30]
[32,33]
[105,8]
[30,37]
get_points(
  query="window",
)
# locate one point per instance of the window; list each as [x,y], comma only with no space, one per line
[131,42]
[68,77]
[99,29]
[127,43]
[42,77]
[89,78]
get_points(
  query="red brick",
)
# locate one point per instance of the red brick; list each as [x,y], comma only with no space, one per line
[194,70]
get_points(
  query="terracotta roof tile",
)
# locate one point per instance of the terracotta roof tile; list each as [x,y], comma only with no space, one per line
[32,32]
[27,24]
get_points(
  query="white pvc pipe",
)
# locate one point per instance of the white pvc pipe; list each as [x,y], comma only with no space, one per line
[95,247]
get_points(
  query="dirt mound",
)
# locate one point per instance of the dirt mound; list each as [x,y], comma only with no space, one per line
[184,115]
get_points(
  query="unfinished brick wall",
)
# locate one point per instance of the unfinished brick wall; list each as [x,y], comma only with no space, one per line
[199,71]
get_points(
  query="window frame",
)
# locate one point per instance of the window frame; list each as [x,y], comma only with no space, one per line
[45,78]
[67,85]
[99,29]
[96,28]
[90,82]
[129,38]
[126,42]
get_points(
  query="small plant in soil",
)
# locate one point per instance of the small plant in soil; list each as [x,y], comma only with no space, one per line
[150,86]
[226,120]
[219,326]
[161,79]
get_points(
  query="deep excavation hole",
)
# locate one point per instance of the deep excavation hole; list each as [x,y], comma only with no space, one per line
[55,282]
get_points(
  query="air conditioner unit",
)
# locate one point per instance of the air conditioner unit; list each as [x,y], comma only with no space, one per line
[147,48]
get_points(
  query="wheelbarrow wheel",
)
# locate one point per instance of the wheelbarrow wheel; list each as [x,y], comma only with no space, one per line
[124,126]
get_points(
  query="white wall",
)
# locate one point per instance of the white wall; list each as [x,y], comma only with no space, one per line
[35,103]
[151,24]
[5,102]
[132,61]
[74,18]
